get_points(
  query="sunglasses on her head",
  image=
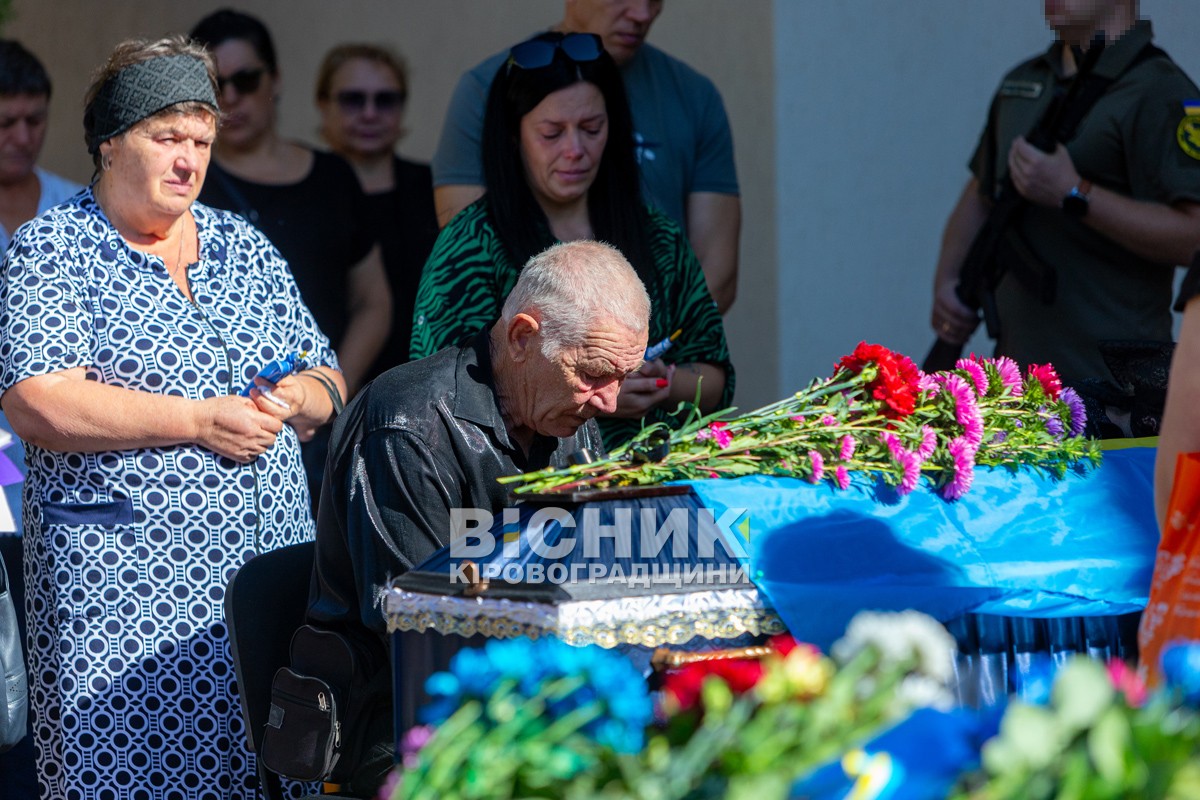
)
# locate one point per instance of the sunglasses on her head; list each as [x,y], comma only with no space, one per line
[537,53]
[353,101]
[244,81]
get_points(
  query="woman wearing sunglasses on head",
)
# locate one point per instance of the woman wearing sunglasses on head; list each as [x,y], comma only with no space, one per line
[361,92]
[559,165]
[307,202]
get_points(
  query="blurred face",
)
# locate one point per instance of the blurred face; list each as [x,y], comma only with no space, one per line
[22,131]
[247,93]
[362,115]
[562,142]
[580,382]
[622,24]
[1077,16]
[158,166]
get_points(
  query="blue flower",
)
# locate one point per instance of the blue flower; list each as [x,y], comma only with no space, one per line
[609,681]
[1181,669]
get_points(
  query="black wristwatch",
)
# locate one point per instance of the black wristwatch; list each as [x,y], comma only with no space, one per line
[1075,204]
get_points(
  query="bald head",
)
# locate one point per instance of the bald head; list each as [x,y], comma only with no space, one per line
[572,287]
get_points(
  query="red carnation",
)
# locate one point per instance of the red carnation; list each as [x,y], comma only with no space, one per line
[783,644]
[1048,378]
[741,674]
[896,377]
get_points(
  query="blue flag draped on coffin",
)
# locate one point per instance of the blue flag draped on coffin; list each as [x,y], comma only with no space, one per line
[1019,544]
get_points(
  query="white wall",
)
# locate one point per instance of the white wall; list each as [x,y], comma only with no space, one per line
[879,104]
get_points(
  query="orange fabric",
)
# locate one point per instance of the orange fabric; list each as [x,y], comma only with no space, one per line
[1173,611]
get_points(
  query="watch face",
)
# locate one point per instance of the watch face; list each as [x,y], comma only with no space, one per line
[1075,205]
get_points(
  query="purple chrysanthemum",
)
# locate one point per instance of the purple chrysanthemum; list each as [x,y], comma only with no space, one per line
[1054,425]
[818,466]
[928,383]
[1010,374]
[1075,406]
[841,477]
[976,373]
[848,445]
[964,469]
[928,442]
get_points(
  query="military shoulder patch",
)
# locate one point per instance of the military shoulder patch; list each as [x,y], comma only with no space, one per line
[1030,90]
[1188,131]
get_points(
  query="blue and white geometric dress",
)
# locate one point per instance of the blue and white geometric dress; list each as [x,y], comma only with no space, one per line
[128,552]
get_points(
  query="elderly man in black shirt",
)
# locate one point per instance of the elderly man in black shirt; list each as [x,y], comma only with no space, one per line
[433,435]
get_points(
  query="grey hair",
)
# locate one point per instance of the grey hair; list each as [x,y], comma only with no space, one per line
[575,286]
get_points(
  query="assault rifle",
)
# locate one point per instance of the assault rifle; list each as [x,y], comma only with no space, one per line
[998,246]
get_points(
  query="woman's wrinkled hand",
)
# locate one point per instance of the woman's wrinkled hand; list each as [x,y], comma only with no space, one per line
[236,427]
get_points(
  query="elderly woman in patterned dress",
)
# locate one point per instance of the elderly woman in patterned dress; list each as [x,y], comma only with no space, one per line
[131,318]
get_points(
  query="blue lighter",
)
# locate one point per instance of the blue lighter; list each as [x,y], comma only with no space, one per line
[658,350]
[273,371]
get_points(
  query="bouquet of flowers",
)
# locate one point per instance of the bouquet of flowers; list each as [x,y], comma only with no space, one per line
[878,416]
[1097,733]
[523,718]
[543,719]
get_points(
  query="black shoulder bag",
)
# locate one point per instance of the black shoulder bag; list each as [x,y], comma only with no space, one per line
[12,667]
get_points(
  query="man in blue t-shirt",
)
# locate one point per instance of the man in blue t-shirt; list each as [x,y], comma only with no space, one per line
[684,145]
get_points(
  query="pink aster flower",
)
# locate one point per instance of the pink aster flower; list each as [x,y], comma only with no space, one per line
[966,409]
[414,739]
[964,469]
[975,371]
[973,429]
[912,472]
[841,477]
[1126,681]
[848,445]
[928,383]
[818,466]
[392,782]
[893,444]
[928,442]
[799,418]
[828,419]
[1010,375]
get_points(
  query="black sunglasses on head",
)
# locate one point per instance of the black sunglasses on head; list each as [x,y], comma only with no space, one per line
[356,100]
[244,81]
[537,53]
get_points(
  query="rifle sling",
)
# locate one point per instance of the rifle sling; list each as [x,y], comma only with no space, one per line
[1014,254]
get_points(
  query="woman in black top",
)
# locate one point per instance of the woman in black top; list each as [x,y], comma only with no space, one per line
[308,203]
[361,92]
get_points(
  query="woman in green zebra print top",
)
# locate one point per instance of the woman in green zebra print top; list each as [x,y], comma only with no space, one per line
[559,165]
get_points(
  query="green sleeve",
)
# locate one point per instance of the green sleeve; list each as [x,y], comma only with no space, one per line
[686,305]
[460,291]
